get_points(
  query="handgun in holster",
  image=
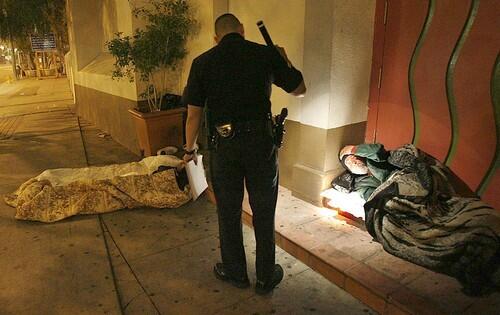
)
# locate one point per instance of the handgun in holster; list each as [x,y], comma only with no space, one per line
[279,127]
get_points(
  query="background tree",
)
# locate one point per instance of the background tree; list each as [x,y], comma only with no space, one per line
[153,51]
[21,18]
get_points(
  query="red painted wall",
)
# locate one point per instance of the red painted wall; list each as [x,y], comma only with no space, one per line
[436,60]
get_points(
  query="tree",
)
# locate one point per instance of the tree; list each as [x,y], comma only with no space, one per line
[10,27]
[21,18]
[154,50]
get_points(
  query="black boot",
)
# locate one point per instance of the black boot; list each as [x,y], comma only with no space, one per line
[221,274]
[265,287]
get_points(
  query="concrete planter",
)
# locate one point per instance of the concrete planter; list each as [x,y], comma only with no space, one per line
[159,129]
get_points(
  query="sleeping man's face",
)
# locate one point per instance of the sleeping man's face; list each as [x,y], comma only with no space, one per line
[356,165]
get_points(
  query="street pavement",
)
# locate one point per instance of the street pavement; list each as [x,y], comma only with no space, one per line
[141,261]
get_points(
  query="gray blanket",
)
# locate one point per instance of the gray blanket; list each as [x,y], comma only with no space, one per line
[416,215]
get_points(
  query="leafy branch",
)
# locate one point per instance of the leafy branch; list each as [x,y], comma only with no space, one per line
[154,50]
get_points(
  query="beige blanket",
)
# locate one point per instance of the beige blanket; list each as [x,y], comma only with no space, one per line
[60,193]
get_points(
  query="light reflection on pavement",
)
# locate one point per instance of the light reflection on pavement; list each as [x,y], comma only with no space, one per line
[28,96]
[5,72]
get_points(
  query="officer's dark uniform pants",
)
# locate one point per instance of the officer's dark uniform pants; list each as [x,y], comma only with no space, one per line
[250,159]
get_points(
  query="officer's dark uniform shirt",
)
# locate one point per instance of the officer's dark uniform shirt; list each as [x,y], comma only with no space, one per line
[234,79]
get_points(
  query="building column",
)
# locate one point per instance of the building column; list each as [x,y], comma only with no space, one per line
[338,39]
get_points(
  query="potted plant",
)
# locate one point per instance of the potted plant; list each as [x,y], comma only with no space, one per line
[152,53]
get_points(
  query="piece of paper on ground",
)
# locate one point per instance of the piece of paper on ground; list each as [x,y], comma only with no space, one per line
[196,176]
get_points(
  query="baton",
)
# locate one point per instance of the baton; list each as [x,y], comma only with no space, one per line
[265,34]
[269,41]
[279,123]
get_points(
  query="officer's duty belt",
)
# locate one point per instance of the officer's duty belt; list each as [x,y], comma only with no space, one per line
[228,130]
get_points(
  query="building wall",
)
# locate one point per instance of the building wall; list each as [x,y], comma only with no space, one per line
[352,39]
[329,40]
[99,98]
[202,40]
[439,86]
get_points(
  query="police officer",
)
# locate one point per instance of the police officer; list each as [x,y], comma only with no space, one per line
[233,80]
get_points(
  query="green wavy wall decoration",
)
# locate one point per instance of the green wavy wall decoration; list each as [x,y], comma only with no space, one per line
[423,34]
[495,100]
[450,74]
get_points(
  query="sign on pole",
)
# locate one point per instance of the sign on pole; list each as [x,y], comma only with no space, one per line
[45,42]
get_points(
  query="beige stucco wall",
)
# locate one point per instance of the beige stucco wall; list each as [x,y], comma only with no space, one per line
[337,61]
[92,23]
[318,41]
[333,48]
[84,29]
[117,17]
[99,98]
[97,21]
[353,22]
[330,41]
[202,40]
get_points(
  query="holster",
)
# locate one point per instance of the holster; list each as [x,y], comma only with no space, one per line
[279,128]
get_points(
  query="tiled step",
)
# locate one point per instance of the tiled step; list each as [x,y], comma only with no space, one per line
[348,257]
[8,126]
[382,294]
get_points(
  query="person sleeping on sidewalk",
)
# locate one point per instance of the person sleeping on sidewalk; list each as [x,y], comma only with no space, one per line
[156,181]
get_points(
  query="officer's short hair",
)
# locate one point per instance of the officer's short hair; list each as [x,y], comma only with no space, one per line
[226,23]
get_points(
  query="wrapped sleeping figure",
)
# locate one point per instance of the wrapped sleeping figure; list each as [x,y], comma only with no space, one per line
[156,181]
[421,212]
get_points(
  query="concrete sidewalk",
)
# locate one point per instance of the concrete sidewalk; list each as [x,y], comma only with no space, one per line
[5,72]
[142,261]
[29,96]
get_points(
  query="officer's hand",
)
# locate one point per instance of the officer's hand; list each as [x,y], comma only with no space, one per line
[188,157]
[282,52]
